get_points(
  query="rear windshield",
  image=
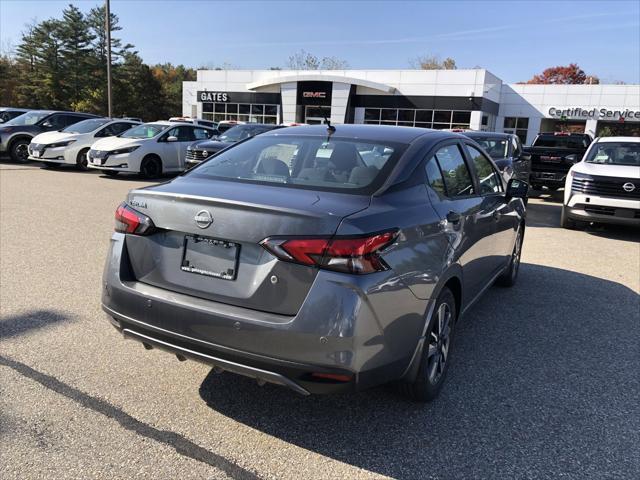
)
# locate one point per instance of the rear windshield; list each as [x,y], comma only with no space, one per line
[345,165]
[561,141]
[615,153]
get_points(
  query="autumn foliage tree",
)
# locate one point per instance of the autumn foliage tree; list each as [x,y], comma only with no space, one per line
[571,74]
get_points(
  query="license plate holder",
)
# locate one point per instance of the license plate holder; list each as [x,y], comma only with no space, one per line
[210,257]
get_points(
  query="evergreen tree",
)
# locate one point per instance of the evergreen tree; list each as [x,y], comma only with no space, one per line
[76,54]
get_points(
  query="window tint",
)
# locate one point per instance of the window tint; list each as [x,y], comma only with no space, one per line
[183,134]
[67,120]
[457,178]
[487,175]
[434,177]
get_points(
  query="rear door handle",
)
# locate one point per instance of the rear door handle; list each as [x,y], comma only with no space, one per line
[453,217]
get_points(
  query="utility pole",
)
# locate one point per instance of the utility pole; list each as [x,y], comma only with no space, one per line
[108,29]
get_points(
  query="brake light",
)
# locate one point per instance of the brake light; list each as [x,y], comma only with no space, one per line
[131,221]
[357,255]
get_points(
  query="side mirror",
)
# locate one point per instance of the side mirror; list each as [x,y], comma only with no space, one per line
[525,157]
[517,188]
[172,139]
[47,124]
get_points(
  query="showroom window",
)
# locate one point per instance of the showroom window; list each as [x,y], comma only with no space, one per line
[517,125]
[240,112]
[407,117]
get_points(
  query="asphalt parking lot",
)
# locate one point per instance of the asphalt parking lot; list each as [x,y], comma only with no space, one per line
[543,383]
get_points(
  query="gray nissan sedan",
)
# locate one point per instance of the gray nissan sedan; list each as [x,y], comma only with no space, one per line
[320,258]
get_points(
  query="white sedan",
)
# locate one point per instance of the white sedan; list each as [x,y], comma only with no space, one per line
[70,145]
[150,149]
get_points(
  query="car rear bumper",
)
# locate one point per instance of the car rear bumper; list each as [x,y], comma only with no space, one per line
[357,330]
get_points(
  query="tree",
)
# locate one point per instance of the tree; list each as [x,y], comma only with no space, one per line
[571,74]
[76,52]
[170,78]
[303,60]
[433,62]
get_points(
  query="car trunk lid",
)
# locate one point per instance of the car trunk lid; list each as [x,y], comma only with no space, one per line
[241,215]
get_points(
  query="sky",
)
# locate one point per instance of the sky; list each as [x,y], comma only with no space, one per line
[512,39]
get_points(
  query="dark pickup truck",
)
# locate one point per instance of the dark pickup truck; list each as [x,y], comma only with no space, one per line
[552,155]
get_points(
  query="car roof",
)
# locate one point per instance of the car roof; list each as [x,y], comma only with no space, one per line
[619,139]
[15,109]
[487,134]
[388,133]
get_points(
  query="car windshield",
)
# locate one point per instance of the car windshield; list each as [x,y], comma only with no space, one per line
[29,118]
[351,166]
[615,153]
[86,126]
[148,130]
[561,141]
[497,148]
[235,134]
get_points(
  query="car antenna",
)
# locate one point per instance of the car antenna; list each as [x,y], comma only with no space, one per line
[330,128]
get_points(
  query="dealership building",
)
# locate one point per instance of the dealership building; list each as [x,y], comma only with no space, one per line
[440,99]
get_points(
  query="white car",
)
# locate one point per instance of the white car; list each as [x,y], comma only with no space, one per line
[150,149]
[195,121]
[605,186]
[70,145]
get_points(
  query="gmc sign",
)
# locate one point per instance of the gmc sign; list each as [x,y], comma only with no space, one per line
[314,94]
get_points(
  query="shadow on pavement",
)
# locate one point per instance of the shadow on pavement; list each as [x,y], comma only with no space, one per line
[543,384]
[16,325]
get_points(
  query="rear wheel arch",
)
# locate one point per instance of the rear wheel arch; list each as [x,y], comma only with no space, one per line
[452,280]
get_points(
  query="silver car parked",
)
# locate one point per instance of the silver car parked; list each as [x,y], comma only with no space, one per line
[319,258]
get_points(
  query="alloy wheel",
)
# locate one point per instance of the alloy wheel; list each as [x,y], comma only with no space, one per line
[22,152]
[439,343]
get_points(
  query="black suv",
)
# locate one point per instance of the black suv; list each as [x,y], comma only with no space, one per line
[199,151]
[553,154]
[16,134]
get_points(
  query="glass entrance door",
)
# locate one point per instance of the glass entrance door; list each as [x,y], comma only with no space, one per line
[315,115]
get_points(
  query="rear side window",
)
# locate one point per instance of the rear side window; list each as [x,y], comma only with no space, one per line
[434,177]
[317,163]
[488,177]
[202,134]
[456,175]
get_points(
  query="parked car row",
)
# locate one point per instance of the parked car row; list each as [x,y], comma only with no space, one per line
[113,145]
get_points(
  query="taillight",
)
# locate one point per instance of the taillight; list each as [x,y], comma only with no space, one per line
[129,220]
[344,254]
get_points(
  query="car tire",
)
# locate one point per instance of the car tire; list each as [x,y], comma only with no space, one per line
[19,150]
[110,173]
[436,353]
[82,161]
[151,167]
[509,277]
[570,223]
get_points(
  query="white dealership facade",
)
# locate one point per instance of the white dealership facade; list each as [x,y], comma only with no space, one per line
[441,99]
